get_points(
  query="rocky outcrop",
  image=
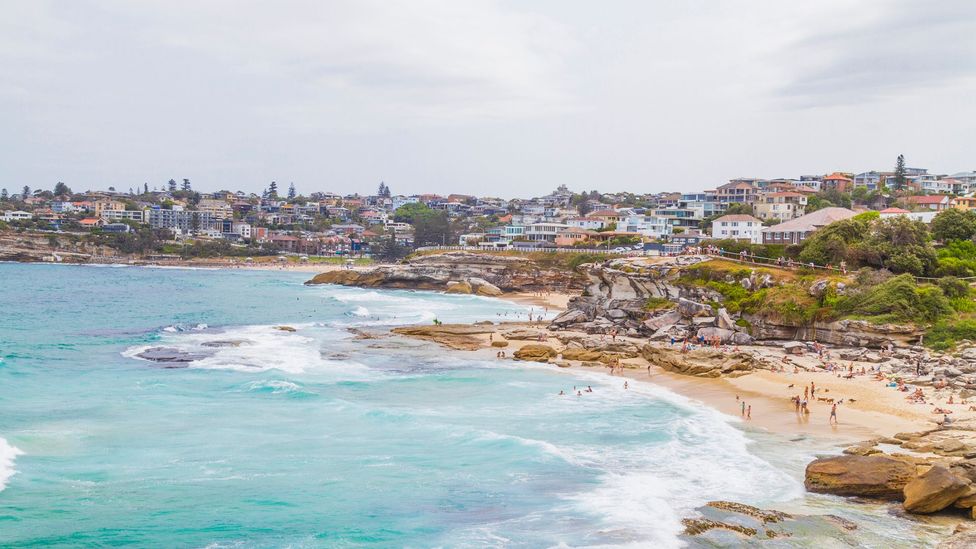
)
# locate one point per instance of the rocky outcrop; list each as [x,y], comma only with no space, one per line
[850,333]
[731,524]
[535,353]
[456,336]
[168,357]
[464,272]
[934,490]
[700,362]
[878,477]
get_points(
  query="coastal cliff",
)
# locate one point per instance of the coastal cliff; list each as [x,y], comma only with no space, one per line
[460,273]
[693,296]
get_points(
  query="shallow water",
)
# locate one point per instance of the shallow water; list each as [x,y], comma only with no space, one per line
[313,438]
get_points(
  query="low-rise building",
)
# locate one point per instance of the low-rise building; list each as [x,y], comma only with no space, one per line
[131,215]
[797,230]
[780,206]
[737,227]
[16,216]
[929,202]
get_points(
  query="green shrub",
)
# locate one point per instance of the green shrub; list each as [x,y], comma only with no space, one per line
[947,333]
[897,299]
[657,303]
[953,287]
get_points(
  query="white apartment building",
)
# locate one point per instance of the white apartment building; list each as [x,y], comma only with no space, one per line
[647,225]
[738,227]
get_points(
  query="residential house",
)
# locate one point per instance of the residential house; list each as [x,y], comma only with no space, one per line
[737,227]
[219,209]
[797,230]
[738,192]
[647,225]
[544,231]
[16,216]
[588,223]
[108,205]
[780,206]
[924,217]
[572,236]
[139,216]
[964,203]
[838,182]
[928,202]
[871,181]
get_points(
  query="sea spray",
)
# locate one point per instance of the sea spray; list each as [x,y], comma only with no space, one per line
[8,454]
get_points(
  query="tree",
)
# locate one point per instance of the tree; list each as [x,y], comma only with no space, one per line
[145,188]
[291,191]
[195,222]
[900,179]
[273,190]
[389,249]
[3,195]
[953,224]
[431,228]
[382,190]
[61,189]
[407,212]
[171,185]
[186,185]
[25,193]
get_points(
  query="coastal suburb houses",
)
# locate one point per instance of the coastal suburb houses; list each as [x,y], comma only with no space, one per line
[745,209]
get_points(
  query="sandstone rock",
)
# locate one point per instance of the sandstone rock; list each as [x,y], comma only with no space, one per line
[525,334]
[616,314]
[489,290]
[794,347]
[573,316]
[667,319]
[285,328]
[462,287]
[740,338]
[878,477]
[499,344]
[700,362]
[456,336]
[483,287]
[586,355]
[703,321]
[535,353]
[934,490]
[723,320]
[861,450]
[689,308]
[964,539]
[819,288]
[562,364]
[709,333]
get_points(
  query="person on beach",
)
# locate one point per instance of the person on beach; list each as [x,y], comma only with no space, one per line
[796,403]
[743,413]
[749,412]
[806,393]
[562,393]
[833,414]
[626,386]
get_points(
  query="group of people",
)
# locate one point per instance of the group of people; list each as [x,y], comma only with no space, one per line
[579,392]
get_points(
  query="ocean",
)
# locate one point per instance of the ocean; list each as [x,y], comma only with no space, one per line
[316,438]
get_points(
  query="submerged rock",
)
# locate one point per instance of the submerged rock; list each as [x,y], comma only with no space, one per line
[174,358]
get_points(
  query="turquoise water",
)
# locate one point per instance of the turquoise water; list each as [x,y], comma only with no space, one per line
[313,438]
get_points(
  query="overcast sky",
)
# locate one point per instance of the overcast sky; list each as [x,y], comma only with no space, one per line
[484,97]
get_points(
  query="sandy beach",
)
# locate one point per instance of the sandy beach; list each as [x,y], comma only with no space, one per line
[870,408]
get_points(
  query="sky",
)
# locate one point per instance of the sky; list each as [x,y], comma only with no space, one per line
[486,97]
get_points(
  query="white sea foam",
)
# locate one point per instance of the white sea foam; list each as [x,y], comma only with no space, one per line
[359,311]
[8,454]
[258,348]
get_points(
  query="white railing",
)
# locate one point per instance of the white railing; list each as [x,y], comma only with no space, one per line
[515,248]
